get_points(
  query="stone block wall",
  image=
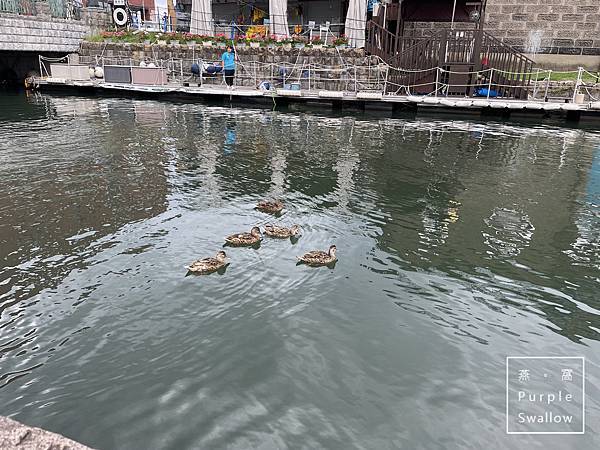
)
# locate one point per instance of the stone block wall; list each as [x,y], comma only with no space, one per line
[255,65]
[567,27]
[44,33]
[32,33]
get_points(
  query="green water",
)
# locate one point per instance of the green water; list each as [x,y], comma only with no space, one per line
[459,243]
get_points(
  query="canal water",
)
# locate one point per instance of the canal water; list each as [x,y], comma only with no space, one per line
[460,243]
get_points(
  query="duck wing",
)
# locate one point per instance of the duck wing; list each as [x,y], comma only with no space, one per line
[238,237]
[204,264]
[315,255]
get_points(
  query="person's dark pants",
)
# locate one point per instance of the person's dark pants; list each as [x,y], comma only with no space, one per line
[229,74]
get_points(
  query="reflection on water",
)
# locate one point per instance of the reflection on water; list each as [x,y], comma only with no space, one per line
[459,243]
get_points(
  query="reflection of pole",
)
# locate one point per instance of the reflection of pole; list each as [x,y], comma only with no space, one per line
[278,165]
[347,162]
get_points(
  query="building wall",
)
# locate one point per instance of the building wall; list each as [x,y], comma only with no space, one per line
[566,27]
[38,34]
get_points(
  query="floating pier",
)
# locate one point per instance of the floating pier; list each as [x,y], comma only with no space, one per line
[336,100]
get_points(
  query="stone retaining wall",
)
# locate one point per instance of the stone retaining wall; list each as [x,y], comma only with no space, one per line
[31,33]
[43,33]
[255,65]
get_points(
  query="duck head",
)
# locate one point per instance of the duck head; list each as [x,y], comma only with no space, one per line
[295,230]
[221,256]
[255,231]
[332,251]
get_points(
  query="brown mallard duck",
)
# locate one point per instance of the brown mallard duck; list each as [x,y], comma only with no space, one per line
[319,258]
[242,239]
[209,265]
[272,207]
[282,232]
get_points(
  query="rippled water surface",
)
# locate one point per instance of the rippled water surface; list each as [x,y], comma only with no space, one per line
[459,243]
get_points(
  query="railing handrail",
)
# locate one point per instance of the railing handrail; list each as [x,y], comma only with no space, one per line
[504,46]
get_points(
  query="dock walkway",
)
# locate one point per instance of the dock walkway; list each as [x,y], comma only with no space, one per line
[337,99]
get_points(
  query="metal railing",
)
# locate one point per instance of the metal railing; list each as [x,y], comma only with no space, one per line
[375,76]
[460,54]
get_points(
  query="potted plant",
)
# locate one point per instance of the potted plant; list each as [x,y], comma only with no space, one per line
[298,43]
[255,42]
[221,40]
[317,43]
[207,41]
[161,39]
[270,41]
[190,39]
[286,43]
[340,42]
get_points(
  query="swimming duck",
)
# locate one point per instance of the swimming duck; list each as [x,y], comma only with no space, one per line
[272,207]
[319,258]
[282,232]
[245,238]
[209,265]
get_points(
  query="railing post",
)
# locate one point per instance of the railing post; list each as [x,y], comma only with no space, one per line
[547,85]
[537,76]
[577,83]
[490,82]
[437,80]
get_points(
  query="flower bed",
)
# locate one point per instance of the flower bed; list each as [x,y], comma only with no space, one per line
[253,40]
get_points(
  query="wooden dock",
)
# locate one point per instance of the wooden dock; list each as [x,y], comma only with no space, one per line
[336,100]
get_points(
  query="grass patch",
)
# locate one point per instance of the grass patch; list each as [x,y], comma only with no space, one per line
[566,76]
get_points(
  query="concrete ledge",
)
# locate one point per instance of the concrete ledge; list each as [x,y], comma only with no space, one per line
[289,93]
[331,94]
[369,95]
[447,102]
[481,103]
[464,103]
[15,435]
[570,107]
[551,106]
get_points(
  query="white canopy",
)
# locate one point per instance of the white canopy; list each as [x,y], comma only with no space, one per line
[356,21]
[278,18]
[201,21]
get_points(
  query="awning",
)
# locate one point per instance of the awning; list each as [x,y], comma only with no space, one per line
[201,21]
[356,21]
[278,18]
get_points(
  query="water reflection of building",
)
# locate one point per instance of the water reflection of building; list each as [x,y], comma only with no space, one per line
[492,203]
[85,178]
